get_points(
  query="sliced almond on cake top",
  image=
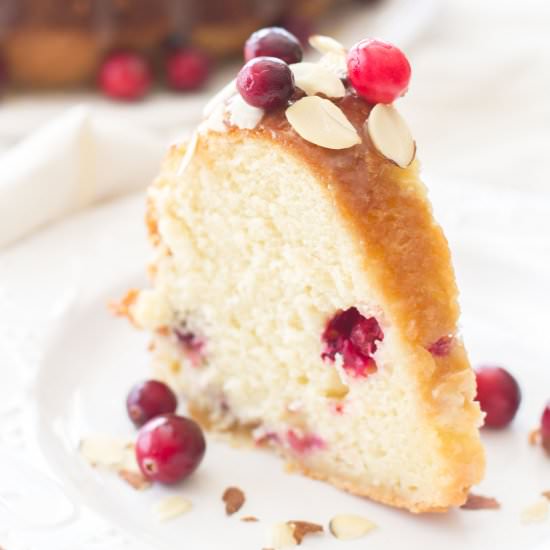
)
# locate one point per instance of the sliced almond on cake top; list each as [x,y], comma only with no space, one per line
[313,78]
[391,135]
[321,122]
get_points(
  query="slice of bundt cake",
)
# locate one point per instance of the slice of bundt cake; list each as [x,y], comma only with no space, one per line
[301,287]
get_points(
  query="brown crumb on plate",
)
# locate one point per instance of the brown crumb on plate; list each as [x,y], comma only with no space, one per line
[249,519]
[534,437]
[234,499]
[134,479]
[122,307]
[303,528]
[480,502]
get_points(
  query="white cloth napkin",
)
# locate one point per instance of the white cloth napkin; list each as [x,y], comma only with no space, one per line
[78,159]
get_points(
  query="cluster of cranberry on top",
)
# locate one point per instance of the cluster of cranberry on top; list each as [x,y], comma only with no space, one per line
[378,71]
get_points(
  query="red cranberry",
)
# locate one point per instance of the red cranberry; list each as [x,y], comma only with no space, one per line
[354,337]
[169,448]
[187,69]
[379,71]
[273,42]
[498,394]
[441,347]
[266,82]
[303,443]
[125,75]
[149,399]
[192,345]
[545,428]
[301,27]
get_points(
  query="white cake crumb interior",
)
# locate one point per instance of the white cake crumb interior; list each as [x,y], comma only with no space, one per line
[259,262]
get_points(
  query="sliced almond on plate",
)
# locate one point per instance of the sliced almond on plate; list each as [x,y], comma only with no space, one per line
[313,78]
[281,535]
[250,519]
[171,507]
[104,450]
[304,528]
[536,512]
[350,526]
[390,135]
[319,121]
[480,502]
[326,44]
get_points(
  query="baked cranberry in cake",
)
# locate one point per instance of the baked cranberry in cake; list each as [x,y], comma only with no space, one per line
[303,443]
[191,344]
[354,337]
[441,347]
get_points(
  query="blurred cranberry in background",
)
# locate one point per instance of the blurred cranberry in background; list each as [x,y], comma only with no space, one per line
[186,68]
[3,75]
[301,27]
[125,75]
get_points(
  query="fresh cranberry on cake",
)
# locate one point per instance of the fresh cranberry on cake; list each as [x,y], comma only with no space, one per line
[296,247]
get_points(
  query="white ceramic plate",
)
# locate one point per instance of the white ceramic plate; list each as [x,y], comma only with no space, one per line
[66,366]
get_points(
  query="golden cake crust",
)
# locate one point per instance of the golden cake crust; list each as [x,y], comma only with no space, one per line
[407,257]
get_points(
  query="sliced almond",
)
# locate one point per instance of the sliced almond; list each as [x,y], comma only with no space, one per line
[243,115]
[326,44]
[134,479]
[281,535]
[249,519]
[215,121]
[104,450]
[234,499]
[319,121]
[350,526]
[336,63]
[303,528]
[480,502]
[189,152]
[171,507]
[316,79]
[390,135]
[536,512]
[129,461]
[220,98]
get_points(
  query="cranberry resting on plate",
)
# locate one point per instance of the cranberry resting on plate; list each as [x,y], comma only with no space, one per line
[169,448]
[498,394]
